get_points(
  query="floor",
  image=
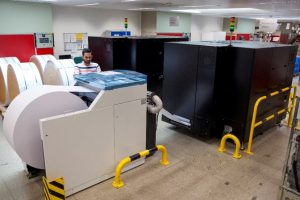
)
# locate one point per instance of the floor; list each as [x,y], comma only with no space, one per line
[196,171]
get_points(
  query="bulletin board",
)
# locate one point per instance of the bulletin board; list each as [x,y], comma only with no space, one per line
[75,41]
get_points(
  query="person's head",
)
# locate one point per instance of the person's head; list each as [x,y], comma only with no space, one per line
[87,56]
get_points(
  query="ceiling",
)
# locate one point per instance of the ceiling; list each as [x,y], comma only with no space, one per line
[278,9]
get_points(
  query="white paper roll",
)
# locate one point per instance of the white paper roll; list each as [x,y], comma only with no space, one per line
[40,61]
[21,122]
[20,77]
[59,72]
[4,96]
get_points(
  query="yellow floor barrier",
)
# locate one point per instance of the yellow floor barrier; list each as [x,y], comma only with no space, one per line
[255,124]
[118,183]
[237,145]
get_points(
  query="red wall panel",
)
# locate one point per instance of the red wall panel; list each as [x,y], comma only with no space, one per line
[20,46]
[43,51]
[245,36]
[233,37]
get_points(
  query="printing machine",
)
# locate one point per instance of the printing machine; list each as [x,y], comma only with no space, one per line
[141,54]
[211,87]
[85,145]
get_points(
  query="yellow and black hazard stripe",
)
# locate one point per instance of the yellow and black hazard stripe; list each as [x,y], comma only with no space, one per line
[54,190]
[143,153]
[164,161]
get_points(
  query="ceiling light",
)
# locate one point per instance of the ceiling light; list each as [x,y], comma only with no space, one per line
[288,18]
[88,4]
[221,11]
[47,0]
[263,3]
[201,6]
[189,11]
[141,9]
[276,18]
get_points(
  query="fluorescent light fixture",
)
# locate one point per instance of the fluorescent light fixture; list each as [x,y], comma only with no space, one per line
[129,0]
[200,6]
[288,18]
[276,18]
[88,4]
[221,11]
[141,9]
[47,0]
[264,3]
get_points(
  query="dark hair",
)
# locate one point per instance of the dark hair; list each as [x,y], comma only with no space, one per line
[86,50]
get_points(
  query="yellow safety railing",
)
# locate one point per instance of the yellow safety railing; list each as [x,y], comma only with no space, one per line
[290,109]
[255,124]
[164,161]
[237,145]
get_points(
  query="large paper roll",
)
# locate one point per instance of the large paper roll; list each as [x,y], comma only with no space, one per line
[9,60]
[59,72]
[40,61]
[4,96]
[20,77]
[21,122]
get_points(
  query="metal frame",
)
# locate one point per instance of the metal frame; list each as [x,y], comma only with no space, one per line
[285,192]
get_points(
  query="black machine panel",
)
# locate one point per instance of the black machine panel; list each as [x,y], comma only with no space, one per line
[182,77]
[142,54]
[225,82]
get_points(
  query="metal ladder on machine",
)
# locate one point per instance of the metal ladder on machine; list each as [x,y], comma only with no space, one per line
[290,185]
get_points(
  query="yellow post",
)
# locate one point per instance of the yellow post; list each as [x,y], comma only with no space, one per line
[290,119]
[164,155]
[290,99]
[118,182]
[237,145]
[248,150]
[164,161]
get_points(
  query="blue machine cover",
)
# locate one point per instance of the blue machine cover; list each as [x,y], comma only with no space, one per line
[110,80]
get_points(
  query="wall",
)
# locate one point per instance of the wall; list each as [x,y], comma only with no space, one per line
[24,18]
[268,25]
[201,24]
[246,26]
[92,21]
[148,23]
[242,25]
[162,22]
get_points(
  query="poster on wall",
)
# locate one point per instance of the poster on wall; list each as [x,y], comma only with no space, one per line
[75,41]
[174,21]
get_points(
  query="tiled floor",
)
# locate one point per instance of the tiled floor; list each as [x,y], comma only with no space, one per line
[196,171]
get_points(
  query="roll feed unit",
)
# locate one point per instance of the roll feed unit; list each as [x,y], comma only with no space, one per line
[83,144]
